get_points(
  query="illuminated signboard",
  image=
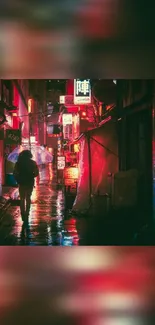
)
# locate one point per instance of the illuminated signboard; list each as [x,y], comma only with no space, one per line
[67,119]
[82,91]
[76,126]
[71,173]
[33,139]
[13,137]
[66,100]
[69,100]
[62,99]
[71,178]
[30,105]
[61,162]
[68,132]
[9,120]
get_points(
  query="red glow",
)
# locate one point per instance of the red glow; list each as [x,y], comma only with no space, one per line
[71,173]
[70,87]
[15,122]
[15,97]
[72,109]
[114,282]
[84,114]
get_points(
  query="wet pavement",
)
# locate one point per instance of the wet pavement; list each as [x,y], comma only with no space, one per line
[46,219]
[48,227]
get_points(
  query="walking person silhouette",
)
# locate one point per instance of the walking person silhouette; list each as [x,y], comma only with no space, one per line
[25,172]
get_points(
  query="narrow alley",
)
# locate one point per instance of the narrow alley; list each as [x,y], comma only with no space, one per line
[92,140]
[46,225]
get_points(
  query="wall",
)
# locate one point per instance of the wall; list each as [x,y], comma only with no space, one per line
[135,136]
[134,122]
[37,90]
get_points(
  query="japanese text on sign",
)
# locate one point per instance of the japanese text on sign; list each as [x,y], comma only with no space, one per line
[61,162]
[13,136]
[82,87]
[82,91]
[71,173]
[67,119]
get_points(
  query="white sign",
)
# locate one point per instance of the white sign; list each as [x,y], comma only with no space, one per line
[82,91]
[67,119]
[61,162]
[9,120]
[68,132]
[33,139]
[62,99]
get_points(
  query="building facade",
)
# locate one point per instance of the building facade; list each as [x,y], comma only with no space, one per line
[134,109]
[22,102]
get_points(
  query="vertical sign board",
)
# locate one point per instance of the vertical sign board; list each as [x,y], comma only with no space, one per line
[67,120]
[13,137]
[62,99]
[61,162]
[82,91]
[71,178]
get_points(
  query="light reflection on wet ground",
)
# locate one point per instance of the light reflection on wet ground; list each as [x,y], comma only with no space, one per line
[45,219]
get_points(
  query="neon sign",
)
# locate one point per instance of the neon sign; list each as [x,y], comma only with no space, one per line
[82,91]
